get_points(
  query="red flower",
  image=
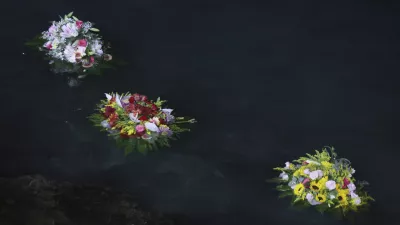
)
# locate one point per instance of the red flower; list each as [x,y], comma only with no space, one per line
[108,111]
[143,118]
[82,43]
[49,46]
[154,107]
[162,121]
[131,100]
[113,118]
[79,23]
[131,108]
[345,183]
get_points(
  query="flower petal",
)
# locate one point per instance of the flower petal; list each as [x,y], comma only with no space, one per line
[118,100]
[151,127]
[109,97]
[134,118]
[168,111]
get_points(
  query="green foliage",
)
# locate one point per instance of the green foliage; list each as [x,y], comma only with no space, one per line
[36,42]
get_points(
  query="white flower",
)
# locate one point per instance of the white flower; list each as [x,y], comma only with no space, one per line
[69,53]
[53,29]
[81,50]
[306,171]
[155,120]
[311,200]
[351,187]
[151,127]
[105,124]
[330,184]
[292,184]
[134,117]
[287,164]
[284,176]
[69,30]
[109,97]
[357,201]
[355,198]
[315,174]
[118,100]
[96,48]
[352,171]
[331,196]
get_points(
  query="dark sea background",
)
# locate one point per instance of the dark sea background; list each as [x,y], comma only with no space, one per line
[268,81]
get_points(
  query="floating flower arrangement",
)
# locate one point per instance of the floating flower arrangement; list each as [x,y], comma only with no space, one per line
[137,123]
[73,46]
[322,181]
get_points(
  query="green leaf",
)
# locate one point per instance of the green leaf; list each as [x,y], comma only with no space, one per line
[285,194]
[76,19]
[322,207]
[94,29]
[70,14]
[65,17]
[283,188]
[274,180]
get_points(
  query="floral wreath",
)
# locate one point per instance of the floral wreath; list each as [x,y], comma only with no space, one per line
[73,46]
[324,182]
[138,123]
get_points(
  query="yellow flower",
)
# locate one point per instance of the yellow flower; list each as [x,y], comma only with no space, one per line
[300,172]
[131,131]
[320,197]
[326,164]
[342,197]
[315,186]
[343,191]
[322,181]
[298,189]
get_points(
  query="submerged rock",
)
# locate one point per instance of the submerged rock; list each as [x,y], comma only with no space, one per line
[35,200]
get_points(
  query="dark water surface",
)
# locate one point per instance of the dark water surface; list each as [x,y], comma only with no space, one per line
[267,81]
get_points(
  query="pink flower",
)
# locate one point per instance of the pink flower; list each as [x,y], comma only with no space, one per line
[140,128]
[48,45]
[52,29]
[306,181]
[91,59]
[345,182]
[82,43]
[79,23]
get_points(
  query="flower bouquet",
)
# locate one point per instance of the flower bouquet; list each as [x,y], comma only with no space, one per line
[137,123]
[324,182]
[73,46]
